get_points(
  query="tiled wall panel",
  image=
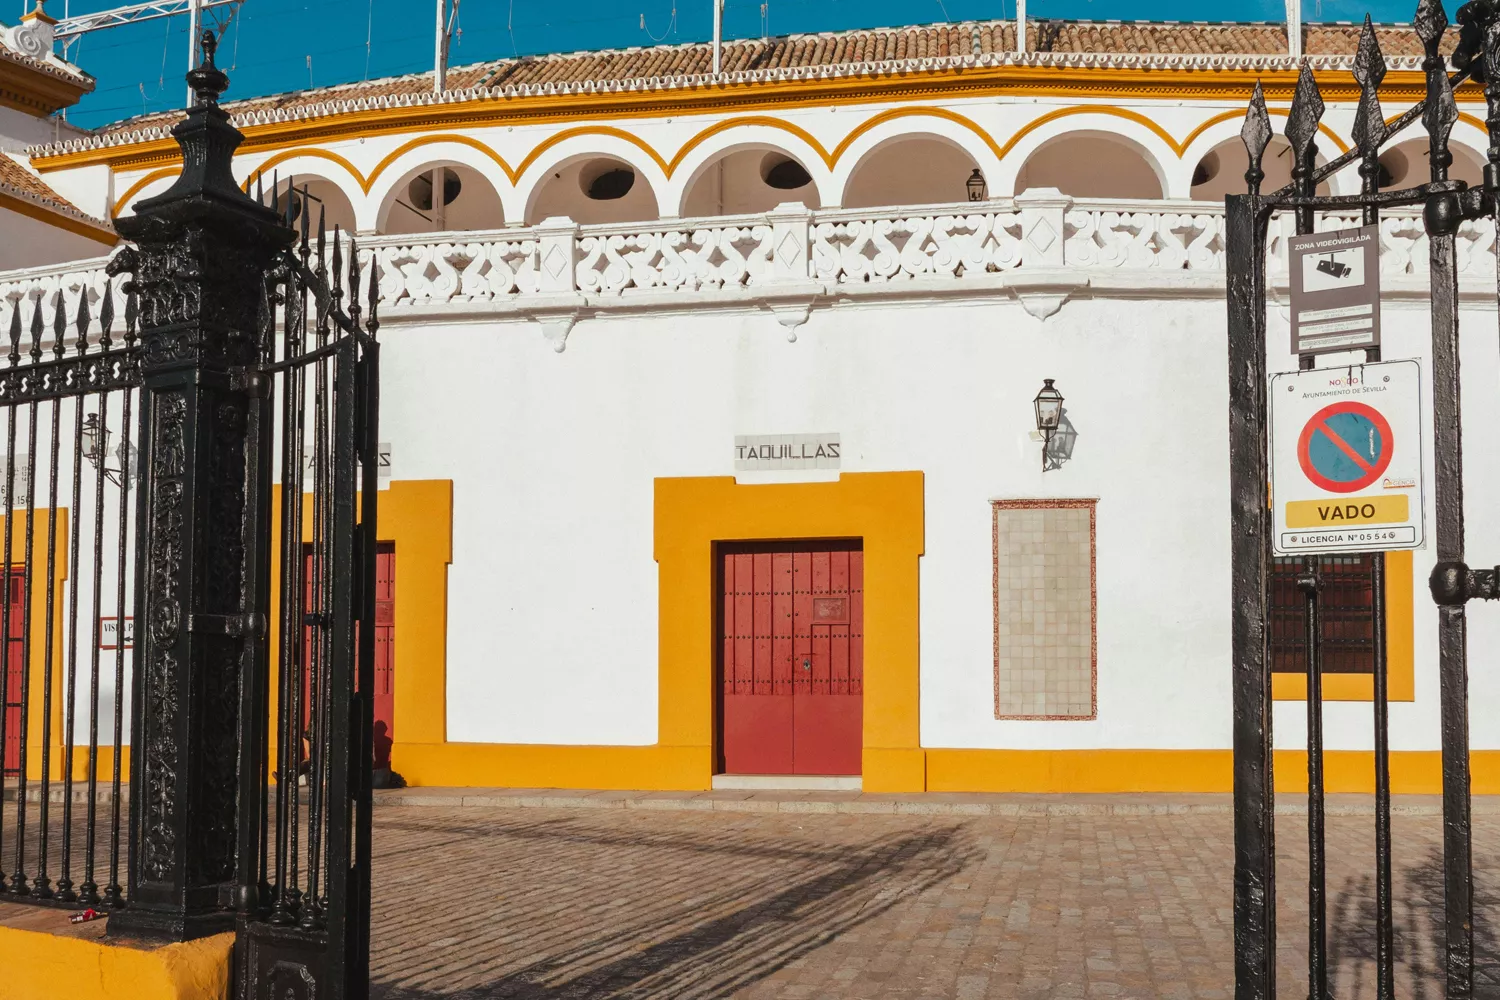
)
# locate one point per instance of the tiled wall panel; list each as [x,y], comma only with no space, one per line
[1044,609]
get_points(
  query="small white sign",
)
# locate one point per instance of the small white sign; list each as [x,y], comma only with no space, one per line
[109,633]
[1346,459]
[782,452]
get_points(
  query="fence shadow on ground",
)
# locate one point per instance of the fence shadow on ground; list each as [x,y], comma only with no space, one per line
[1419,934]
[765,913]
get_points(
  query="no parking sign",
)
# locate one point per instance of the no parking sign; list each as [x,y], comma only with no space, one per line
[1346,459]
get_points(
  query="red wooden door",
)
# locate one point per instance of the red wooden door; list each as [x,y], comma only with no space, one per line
[385,653]
[385,649]
[792,646]
[15,669]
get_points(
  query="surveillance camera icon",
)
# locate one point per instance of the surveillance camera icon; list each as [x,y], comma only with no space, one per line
[1333,267]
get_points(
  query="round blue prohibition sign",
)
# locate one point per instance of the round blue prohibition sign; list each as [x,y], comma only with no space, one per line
[1345,447]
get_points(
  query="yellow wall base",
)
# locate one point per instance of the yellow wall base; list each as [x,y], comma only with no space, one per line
[45,967]
[520,765]
[900,769]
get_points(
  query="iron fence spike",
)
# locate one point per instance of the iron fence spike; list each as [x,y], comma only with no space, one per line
[15,334]
[81,321]
[1430,21]
[1306,111]
[1256,134]
[1369,70]
[106,315]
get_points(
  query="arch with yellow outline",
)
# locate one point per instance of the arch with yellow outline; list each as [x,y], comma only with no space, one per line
[1225,127]
[566,147]
[1140,136]
[398,167]
[139,185]
[860,147]
[688,170]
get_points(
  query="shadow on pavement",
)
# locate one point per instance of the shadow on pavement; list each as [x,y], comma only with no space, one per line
[761,926]
[1419,935]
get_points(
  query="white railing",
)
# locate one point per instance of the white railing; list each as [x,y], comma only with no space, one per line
[789,248]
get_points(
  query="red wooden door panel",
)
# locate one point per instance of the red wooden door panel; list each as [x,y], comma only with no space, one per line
[792,658]
[385,653]
[828,720]
[15,669]
[385,649]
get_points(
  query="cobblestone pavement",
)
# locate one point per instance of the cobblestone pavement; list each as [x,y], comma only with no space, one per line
[550,903]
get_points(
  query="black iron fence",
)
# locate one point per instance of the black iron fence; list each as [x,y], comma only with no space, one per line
[203,466]
[1263,605]
[68,399]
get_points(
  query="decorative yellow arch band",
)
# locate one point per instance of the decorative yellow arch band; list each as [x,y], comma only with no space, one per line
[669,167]
[1225,116]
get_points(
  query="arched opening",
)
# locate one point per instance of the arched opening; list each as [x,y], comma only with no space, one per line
[593,190]
[1091,165]
[1406,165]
[1221,170]
[915,170]
[747,181]
[323,199]
[442,198]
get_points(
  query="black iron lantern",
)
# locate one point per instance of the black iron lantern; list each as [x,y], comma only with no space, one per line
[1048,405]
[978,189]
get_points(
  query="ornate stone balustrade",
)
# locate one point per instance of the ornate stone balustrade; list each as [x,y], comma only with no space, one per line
[791,257]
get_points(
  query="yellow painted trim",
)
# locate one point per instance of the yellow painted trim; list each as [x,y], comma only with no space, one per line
[1142,771]
[535,765]
[428,140]
[886,510]
[691,515]
[1077,83]
[136,188]
[42,966]
[922,112]
[750,121]
[59,220]
[1234,115]
[565,135]
[417,517]
[1400,648]
[313,153]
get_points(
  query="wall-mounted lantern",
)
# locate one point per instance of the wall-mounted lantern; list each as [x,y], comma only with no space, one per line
[95,440]
[1048,405]
[978,189]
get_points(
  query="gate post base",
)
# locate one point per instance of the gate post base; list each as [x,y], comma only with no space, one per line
[169,924]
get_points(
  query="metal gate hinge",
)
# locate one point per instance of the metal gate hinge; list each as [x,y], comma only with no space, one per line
[239,626]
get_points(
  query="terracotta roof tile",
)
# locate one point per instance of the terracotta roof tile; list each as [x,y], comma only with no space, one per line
[837,49]
[18,179]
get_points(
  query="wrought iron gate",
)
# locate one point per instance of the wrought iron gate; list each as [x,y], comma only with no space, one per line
[305,835]
[237,519]
[1446,205]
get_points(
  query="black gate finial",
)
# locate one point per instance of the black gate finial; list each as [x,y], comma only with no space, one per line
[1369,70]
[1256,134]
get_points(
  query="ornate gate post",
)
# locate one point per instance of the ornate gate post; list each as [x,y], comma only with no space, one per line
[203,250]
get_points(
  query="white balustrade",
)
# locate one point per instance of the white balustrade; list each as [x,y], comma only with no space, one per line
[788,246]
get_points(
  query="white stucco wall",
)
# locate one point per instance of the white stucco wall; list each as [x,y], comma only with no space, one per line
[553,614]
[29,242]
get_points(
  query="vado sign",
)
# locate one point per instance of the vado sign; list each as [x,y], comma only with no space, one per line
[1346,459]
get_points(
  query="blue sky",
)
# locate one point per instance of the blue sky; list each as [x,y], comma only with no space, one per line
[280,45]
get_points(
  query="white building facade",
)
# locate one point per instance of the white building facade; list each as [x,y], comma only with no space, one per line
[710,403]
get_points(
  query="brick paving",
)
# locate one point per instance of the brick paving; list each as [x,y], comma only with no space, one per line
[550,903]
